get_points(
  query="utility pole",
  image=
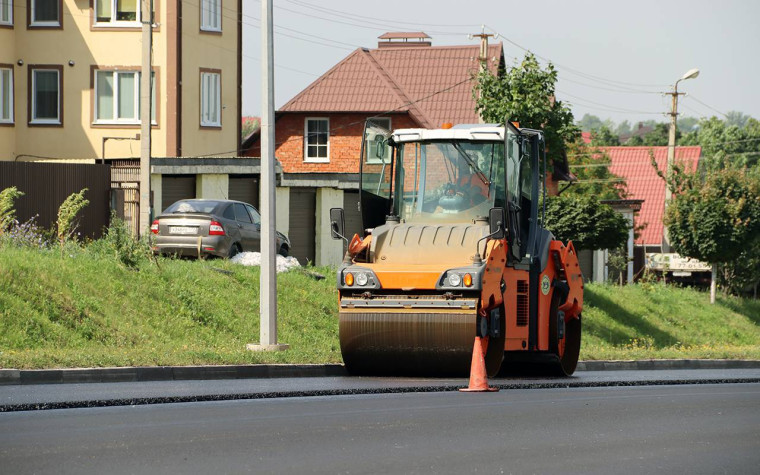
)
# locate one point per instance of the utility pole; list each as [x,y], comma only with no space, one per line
[483,55]
[268,276]
[146,16]
[672,147]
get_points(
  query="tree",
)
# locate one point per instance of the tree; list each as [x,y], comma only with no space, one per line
[590,165]
[725,145]
[687,124]
[715,218]
[249,125]
[590,122]
[737,118]
[604,136]
[658,136]
[525,94]
[586,222]
[623,128]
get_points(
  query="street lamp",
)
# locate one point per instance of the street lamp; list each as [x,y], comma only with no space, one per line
[690,74]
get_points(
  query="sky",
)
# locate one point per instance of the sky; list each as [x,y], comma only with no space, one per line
[614,58]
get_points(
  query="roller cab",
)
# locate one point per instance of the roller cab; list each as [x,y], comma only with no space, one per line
[453,249]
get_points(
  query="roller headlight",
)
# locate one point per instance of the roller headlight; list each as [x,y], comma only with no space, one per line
[454,280]
[349,279]
[361,279]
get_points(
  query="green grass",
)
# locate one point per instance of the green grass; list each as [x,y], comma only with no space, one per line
[83,310]
[653,321]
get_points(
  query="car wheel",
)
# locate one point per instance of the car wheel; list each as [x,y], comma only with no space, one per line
[283,251]
[234,250]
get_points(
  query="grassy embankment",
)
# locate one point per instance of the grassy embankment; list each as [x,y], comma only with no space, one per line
[82,310]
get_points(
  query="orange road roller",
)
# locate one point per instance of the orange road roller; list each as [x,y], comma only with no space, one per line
[454,249]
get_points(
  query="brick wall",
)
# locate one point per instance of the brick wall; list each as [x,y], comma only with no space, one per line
[345,141]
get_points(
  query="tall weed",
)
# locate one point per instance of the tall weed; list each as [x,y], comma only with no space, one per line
[7,212]
[118,243]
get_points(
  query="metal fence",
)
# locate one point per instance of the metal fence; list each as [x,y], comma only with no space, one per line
[47,185]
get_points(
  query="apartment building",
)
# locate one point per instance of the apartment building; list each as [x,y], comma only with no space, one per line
[70,86]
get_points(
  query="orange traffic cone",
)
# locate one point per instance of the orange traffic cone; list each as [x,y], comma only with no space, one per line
[478,376]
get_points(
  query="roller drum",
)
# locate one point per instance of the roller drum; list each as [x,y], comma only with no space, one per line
[407,342]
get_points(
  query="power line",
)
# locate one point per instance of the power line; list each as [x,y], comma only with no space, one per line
[578,72]
[624,91]
[363,24]
[709,107]
[342,13]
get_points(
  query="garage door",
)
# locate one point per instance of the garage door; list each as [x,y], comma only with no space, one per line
[302,223]
[352,213]
[245,188]
[176,187]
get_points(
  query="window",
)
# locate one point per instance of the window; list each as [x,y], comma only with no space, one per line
[45,12]
[317,140]
[6,12]
[241,214]
[211,93]
[254,214]
[374,140]
[117,12]
[117,97]
[6,96]
[211,15]
[45,102]
[229,213]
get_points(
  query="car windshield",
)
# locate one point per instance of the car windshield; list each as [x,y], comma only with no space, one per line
[192,206]
[449,181]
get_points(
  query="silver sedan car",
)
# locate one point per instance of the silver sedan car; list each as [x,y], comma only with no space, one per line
[219,228]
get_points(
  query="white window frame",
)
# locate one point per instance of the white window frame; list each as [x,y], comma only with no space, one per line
[371,159]
[33,22]
[33,86]
[115,107]
[6,83]
[114,22]
[6,11]
[211,15]
[211,101]
[306,157]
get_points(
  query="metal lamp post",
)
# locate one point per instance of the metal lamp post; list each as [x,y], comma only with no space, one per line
[691,74]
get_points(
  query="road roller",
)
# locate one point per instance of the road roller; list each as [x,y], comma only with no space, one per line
[454,250]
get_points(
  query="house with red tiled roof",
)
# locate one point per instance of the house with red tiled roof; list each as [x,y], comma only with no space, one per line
[635,165]
[404,82]
[644,206]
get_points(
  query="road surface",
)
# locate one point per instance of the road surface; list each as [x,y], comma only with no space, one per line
[702,428]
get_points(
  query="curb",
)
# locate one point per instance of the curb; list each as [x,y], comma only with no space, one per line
[632,365]
[184,373]
[165,373]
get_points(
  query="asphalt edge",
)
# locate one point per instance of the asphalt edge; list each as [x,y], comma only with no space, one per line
[183,373]
[562,383]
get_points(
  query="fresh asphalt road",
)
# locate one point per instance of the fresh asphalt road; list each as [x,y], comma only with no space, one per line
[701,428]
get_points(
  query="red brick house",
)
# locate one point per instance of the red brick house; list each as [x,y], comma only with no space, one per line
[404,82]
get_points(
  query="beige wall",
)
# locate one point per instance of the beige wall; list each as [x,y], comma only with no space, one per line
[88,47]
[203,50]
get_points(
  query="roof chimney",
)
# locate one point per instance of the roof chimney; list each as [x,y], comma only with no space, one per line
[401,39]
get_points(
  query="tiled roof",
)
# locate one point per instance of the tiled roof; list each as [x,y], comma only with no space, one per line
[432,83]
[635,165]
